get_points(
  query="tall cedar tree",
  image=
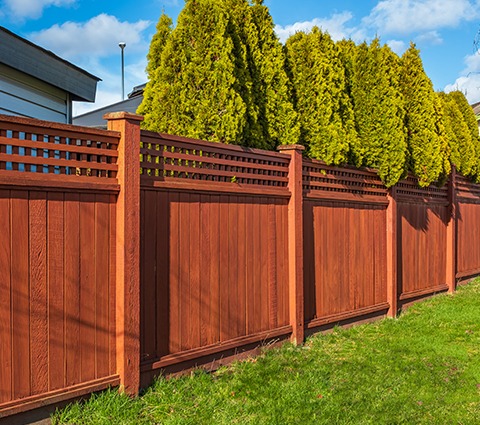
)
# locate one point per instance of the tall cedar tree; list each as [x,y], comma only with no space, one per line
[379,110]
[425,159]
[320,96]
[442,134]
[347,51]
[154,57]
[196,90]
[270,83]
[473,147]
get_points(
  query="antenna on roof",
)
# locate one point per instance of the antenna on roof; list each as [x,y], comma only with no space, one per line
[122,46]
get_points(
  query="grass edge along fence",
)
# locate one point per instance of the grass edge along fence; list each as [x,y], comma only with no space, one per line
[114,269]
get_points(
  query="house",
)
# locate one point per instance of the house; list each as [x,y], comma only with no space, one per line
[36,83]
[95,118]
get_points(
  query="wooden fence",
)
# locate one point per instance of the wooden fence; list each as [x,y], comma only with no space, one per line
[114,268]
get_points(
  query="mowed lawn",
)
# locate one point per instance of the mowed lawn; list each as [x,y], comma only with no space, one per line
[422,368]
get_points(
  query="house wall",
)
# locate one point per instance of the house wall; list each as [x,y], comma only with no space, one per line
[25,96]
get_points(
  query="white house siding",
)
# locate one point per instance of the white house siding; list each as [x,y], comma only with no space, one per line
[26,96]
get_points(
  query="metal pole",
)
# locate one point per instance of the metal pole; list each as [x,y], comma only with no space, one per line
[122,45]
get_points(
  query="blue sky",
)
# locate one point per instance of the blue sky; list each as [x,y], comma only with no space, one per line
[87,33]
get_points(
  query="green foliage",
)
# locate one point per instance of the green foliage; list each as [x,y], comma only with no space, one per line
[471,148]
[220,77]
[425,159]
[379,110]
[442,135]
[196,91]
[462,150]
[320,96]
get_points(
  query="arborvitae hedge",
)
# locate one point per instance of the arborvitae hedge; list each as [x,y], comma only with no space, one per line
[379,110]
[222,75]
[425,159]
[320,96]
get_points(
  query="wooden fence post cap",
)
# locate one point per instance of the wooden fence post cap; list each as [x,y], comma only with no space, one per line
[291,148]
[111,116]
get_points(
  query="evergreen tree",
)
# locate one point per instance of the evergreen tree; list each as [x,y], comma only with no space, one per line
[462,150]
[442,135]
[379,110]
[270,83]
[196,90]
[157,45]
[320,96]
[473,147]
[425,159]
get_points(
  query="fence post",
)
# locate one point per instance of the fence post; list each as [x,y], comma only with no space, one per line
[128,250]
[451,233]
[392,234]
[295,241]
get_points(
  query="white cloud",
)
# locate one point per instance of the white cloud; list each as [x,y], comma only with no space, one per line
[32,8]
[469,81]
[398,46]
[431,37]
[335,26]
[409,16]
[98,37]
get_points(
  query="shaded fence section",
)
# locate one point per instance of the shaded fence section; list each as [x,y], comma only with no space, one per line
[125,252]
[344,209]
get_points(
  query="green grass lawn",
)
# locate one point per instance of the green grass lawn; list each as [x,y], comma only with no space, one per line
[422,368]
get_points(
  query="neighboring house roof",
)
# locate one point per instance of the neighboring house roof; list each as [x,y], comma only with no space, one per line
[95,118]
[25,56]
[476,110]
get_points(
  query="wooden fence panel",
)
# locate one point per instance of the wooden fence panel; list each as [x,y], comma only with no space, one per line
[422,220]
[344,244]
[468,228]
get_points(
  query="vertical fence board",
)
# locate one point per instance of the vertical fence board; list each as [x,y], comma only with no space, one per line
[174,306]
[56,358]
[5,297]
[87,286]
[72,288]
[112,286]
[20,294]
[184,275]
[102,218]
[205,279]
[215,282]
[194,272]
[241,272]
[223,269]
[231,239]
[38,293]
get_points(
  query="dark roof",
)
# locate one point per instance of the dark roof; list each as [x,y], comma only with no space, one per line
[476,108]
[25,56]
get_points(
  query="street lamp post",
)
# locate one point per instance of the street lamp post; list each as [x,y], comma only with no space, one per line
[122,45]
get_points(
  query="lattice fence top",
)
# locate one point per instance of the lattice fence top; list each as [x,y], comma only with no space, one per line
[35,146]
[321,180]
[168,158]
[409,189]
[467,189]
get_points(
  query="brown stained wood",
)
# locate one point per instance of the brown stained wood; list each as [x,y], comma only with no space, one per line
[20,295]
[249,271]
[205,262]
[184,271]
[241,256]
[264,282]
[215,282]
[148,224]
[162,273]
[38,292]
[224,256]
[233,282]
[87,287]
[5,297]
[72,289]
[102,226]
[380,256]
[281,259]
[55,266]
[272,266]
[195,271]
[174,281]
[256,294]
[112,286]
